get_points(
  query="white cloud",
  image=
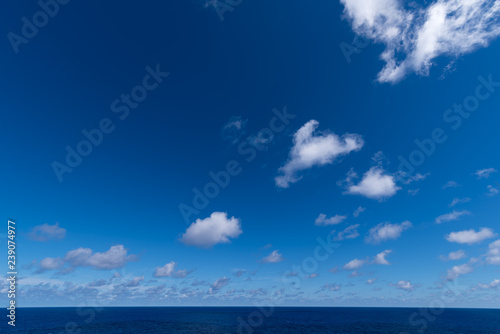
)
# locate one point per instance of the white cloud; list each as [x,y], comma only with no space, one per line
[375,184]
[274,257]
[371,280]
[416,177]
[453,256]
[456,201]
[354,264]
[485,173]
[46,232]
[493,256]
[311,149]
[380,257]
[451,184]
[219,284]
[116,257]
[470,236]
[233,129]
[415,37]
[456,271]
[322,220]
[349,232]
[495,283]
[386,231]
[404,285]
[216,229]
[358,211]
[492,191]
[168,270]
[451,216]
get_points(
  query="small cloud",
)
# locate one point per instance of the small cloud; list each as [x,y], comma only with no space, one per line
[457,271]
[370,281]
[386,231]
[494,284]
[234,129]
[493,255]
[455,215]
[453,256]
[451,184]
[239,272]
[471,236]
[46,232]
[375,184]
[416,177]
[380,257]
[456,201]
[355,264]
[358,211]
[315,149]
[350,232]
[492,191]
[413,192]
[322,220]
[216,229]
[485,173]
[168,270]
[218,284]
[404,285]
[274,257]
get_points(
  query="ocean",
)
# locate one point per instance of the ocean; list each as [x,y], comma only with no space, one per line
[215,320]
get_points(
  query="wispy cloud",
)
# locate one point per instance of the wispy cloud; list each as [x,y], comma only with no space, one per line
[485,173]
[47,232]
[415,35]
[456,201]
[322,220]
[455,215]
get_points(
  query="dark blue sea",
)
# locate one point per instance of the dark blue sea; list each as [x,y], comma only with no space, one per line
[187,320]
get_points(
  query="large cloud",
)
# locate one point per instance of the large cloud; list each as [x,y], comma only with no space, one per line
[415,37]
[216,229]
[311,149]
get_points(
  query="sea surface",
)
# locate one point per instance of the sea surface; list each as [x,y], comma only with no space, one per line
[187,320]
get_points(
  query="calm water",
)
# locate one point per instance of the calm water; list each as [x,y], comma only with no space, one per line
[152,320]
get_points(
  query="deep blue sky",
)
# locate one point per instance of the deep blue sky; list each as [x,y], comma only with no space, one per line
[261,56]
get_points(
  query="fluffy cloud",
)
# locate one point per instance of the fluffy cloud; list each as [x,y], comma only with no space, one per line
[322,220]
[493,256]
[46,232]
[386,231]
[453,256]
[216,229]
[311,149]
[485,173]
[350,232]
[415,37]
[116,257]
[274,257]
[354,264]
[456,201]
[375,184]
[456,271]
[470,236]
[380,257]
[404,285]
[168,270]
[451,216]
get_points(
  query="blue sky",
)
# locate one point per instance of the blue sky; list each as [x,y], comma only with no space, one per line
[345,153]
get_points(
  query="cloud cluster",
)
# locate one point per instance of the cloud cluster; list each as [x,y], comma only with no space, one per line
[415,35]
[216,229]
[116,257]
[314,149]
